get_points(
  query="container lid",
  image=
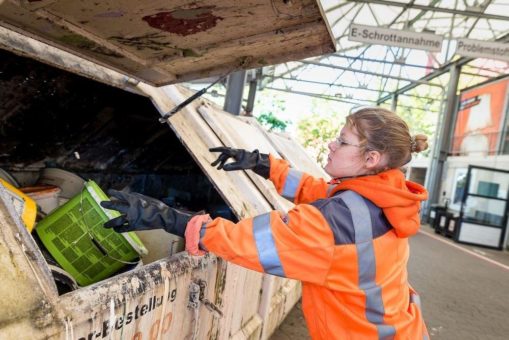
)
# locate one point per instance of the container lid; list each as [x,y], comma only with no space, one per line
[165,42]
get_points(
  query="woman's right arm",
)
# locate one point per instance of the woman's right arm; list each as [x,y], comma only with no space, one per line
[294,185]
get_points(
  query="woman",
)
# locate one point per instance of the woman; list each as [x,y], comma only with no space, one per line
[346,240]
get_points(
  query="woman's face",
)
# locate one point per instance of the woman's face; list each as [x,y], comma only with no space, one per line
[345,158]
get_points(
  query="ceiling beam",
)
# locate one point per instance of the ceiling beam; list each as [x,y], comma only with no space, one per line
[438,72]
[381,61]
[467,13]
[357,102]
[431,68]
[343,86]
[419,81]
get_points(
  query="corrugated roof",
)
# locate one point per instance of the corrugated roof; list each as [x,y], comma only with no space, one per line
[364,74]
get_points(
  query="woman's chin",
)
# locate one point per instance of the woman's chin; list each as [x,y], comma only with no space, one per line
[327,171]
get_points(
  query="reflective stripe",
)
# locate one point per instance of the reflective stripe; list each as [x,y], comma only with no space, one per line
[330,188]
[366,263]
[202,235]
[291,184]
[265,245]
[414,298]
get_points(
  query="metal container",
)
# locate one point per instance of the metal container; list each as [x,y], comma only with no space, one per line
[174,297]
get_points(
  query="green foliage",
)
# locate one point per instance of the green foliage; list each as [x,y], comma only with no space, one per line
[422,120]
[316,131]
[269,105]
[272,122]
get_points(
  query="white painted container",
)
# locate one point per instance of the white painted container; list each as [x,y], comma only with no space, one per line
[177,297]
[229,302]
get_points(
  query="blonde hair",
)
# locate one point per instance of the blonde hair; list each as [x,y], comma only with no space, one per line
[384,131]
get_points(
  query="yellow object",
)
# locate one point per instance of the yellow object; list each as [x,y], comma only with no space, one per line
[24,205]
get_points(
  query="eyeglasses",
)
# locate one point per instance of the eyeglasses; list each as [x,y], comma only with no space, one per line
[340,142]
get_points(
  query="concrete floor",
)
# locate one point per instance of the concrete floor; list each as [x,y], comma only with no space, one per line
[464,295]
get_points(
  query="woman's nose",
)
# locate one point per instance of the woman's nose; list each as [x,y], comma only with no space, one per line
[332,146]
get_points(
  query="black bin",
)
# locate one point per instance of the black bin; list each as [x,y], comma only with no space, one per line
[452,225]
[441,221]
[433,211]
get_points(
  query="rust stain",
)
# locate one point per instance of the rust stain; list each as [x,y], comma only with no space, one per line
[184,21]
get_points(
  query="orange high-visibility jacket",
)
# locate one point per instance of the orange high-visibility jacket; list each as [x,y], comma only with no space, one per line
[346,242]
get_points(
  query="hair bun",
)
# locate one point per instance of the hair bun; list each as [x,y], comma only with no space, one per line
[418,143]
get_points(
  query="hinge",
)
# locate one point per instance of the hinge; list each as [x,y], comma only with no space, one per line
[197,290]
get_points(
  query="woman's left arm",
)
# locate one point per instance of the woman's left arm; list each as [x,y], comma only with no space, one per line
[297,186]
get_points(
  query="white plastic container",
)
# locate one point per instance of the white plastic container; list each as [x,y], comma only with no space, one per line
[70,184]
[46,196]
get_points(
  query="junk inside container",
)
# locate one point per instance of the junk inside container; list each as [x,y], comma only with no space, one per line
[74,235]
[8,178]
[69,183]
[46,196]
[24,206]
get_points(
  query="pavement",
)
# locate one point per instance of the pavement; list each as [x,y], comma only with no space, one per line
[464,290]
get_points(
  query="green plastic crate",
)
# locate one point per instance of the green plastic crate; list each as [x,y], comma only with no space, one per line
[75,237]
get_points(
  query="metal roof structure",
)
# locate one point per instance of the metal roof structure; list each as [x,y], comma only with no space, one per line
[361,74]
[402,78]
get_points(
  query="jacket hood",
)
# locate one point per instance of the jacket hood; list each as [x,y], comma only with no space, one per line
[398,198]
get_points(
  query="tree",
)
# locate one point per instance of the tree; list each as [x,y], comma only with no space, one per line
[322,126]
[267,107]
[272,122]
[421,115]
[317,130]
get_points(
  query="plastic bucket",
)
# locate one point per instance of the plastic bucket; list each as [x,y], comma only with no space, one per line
[46,196]
[70,184]
[75,237]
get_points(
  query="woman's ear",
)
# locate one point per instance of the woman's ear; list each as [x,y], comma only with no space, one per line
[373,160]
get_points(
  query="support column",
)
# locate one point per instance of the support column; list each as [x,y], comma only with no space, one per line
[394,103]
[443,142]
[234,92]
[251,97]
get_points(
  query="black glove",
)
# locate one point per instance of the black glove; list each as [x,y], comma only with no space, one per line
[256,161]
[141,212]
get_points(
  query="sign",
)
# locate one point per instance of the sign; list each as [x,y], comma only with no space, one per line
[482,49]
[391,37]
[480,118]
